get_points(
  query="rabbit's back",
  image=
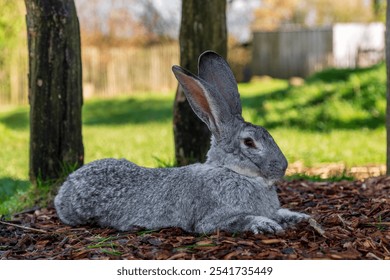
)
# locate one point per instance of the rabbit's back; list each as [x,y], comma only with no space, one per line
[120,194]
[100,191]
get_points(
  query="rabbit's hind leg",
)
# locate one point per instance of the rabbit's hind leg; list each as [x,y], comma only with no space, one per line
[64,212]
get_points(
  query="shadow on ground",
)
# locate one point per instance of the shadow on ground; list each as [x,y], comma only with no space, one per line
[16,120]
[124,111]
[10,186]
[108,112]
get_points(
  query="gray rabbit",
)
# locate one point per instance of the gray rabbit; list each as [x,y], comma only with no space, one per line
[232,191]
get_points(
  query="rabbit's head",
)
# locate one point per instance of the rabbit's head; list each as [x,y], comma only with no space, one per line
[238,145]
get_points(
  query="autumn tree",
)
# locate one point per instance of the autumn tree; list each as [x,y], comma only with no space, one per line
[124,22]
[379,8]
[12,35]
[203,27]
[273,14]
[55,88]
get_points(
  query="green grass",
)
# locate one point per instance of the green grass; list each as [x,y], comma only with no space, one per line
[136,128]
[317,178]
[105,245]
[336,116]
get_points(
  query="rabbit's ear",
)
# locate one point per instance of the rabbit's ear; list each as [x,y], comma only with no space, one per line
[207,105]
[216,71]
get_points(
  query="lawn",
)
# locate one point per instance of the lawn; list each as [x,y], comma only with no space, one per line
[335,116]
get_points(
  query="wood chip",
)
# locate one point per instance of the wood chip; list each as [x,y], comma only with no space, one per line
[372,256]
[271,241]
[231,255]
[178,256]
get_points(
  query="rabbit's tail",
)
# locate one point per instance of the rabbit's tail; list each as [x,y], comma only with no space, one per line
[64,208]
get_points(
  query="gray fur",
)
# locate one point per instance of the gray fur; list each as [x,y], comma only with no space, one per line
[232,191]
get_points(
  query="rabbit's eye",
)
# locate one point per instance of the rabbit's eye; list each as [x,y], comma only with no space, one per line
[249,143]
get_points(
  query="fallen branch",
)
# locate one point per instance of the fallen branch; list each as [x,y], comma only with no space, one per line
[23,227]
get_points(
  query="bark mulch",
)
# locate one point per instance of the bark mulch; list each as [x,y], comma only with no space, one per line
[351,220]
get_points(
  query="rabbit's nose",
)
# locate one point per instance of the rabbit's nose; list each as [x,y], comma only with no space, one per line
[277,168]
[284,164]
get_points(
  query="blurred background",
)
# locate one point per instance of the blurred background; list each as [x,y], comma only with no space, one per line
[282,39]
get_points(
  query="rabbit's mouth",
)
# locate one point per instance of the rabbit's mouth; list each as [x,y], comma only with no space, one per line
[269,181]
[245,171]
[269,171]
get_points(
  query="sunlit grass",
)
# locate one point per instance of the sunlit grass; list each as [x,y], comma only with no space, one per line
[350,147]
[141,144]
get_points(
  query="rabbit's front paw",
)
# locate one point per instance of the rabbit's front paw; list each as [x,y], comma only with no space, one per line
[288,218]
[259,224]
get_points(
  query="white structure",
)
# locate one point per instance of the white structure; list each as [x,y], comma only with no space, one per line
[351,41]
[300,52]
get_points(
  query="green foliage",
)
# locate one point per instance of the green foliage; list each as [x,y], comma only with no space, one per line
[145,232]
[105,245]
[380,7]
[333,99]
[164,164]
[15,204]
[10,187]
[380,224]
[11,22]
[336,116]
[102,242]
[12,34]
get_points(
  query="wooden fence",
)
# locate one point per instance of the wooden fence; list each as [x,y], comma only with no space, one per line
[106,72]
[127,70]
[283,54]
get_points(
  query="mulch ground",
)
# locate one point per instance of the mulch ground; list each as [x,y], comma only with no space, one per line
[351,220]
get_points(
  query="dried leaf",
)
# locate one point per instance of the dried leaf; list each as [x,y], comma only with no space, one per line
[178,256]
[317,227]
[231,255]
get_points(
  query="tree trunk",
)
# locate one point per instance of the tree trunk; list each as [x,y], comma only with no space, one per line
[203,27]
[387,39]
[55,88]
